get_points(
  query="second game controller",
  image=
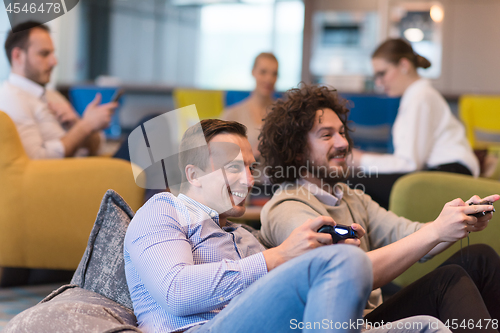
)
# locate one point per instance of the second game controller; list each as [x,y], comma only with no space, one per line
[339,232]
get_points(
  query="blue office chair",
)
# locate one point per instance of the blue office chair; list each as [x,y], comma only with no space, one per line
[372,117]
[236,96]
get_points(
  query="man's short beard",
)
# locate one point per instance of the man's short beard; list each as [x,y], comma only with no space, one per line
[30,72]
[329,175]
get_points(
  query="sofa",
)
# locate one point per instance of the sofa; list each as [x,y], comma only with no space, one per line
[421,196]
[47,207]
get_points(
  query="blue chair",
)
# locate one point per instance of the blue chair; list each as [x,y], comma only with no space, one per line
[81,96]
[236,96]
[372,117]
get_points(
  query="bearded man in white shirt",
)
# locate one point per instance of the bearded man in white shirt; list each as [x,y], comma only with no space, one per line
[46,122]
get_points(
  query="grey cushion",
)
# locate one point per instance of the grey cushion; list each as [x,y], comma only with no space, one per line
[102,268]
[71,309]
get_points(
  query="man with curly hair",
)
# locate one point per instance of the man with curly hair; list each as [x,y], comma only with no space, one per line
[305,142]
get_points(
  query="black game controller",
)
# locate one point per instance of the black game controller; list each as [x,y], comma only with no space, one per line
[339,232]
[480,214]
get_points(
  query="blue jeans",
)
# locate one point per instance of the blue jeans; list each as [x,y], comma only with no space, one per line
[325,287]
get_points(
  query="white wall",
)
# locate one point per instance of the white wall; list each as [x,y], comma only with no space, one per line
[66,34]
[474,51]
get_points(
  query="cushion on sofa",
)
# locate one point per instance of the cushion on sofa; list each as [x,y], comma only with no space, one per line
[72,309]
[102,268]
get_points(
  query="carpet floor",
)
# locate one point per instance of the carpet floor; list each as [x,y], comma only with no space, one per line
[17,299]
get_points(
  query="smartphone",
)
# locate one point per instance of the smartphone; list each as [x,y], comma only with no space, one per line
[117,95]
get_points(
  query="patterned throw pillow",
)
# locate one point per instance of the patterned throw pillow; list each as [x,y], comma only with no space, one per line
[102,268]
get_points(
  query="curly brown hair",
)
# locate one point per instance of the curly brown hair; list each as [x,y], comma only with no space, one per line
[283,140]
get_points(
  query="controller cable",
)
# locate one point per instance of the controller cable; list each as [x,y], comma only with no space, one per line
[468,249]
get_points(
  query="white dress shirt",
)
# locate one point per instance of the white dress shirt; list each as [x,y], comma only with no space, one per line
[26,104]
[425,135]
[40,132]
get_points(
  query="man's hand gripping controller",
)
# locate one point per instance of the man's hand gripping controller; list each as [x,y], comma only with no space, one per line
[339,232]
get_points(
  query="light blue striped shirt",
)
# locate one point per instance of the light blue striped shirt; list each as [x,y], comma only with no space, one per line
[182,268]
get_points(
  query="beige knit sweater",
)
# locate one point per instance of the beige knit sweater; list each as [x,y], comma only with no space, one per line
[293,204]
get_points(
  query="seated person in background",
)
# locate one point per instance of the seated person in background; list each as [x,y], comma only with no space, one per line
[305,142]
[253,109]
[426,135]
[189,269]
[47,124]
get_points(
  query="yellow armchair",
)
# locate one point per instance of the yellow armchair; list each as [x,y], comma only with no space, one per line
[480,115]
[421,196]
[48,207]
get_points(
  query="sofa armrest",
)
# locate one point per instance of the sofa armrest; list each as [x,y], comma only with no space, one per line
[421,196]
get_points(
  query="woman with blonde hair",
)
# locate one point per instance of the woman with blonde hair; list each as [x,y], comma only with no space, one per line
[253,109]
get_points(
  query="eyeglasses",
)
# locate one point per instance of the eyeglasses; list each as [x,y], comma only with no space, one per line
[379,75]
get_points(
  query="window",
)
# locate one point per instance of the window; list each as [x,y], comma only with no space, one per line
[232,35]
[4,30]
[420,23]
